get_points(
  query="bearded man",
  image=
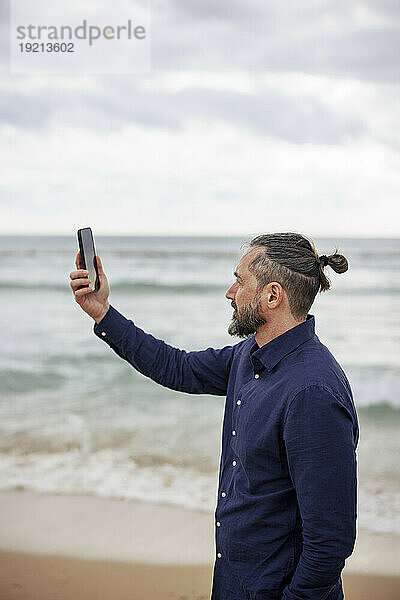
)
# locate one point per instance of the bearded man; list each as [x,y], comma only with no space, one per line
[285,519]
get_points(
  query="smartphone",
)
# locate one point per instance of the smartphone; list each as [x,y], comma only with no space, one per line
[88,260]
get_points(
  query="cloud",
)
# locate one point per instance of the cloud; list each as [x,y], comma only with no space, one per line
[268,114]
[213,10]
[369,55]
[300,119]
[358,39]
[24,110]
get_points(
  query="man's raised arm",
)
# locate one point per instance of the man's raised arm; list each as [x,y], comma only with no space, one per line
[202,372]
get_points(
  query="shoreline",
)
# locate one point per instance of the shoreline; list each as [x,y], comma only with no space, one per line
[55,547]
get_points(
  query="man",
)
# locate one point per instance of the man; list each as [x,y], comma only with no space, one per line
[286,510]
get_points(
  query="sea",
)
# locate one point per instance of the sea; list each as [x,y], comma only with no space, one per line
[75,418]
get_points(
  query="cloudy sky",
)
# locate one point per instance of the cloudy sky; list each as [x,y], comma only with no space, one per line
[257,116]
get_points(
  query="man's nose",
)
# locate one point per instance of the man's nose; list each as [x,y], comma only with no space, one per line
[231,293]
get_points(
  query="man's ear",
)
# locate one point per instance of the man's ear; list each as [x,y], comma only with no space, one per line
[274,294]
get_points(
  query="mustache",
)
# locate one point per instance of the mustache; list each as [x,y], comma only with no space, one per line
[233,304]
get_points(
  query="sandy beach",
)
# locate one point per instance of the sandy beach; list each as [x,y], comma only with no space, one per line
[56,547]
[26,576]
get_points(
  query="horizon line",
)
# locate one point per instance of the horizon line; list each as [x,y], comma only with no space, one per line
[204,235]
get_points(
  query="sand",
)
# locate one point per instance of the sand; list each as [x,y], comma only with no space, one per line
[55,547]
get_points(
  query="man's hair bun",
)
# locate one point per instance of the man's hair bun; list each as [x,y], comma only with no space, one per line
[338,262]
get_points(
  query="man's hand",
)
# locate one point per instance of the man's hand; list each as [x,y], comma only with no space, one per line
[95,304]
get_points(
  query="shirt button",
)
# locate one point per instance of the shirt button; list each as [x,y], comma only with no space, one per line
[239,402]
[219,555]
[103,333]
[223,494]
[234,463]
[256,376]
[233,432]
[218,524]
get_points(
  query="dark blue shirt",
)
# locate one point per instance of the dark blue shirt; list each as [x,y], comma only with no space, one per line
[285,519]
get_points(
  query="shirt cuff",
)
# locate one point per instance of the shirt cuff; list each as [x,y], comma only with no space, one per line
[112,327]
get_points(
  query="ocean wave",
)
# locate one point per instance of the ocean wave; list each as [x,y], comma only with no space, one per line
[379,255]
[51,440]
[207,252]
[180,254]
[383,411]
[143,287]
[374,386]
[132,253]
[108,473]
[24,381]
[124,286]
[111,474]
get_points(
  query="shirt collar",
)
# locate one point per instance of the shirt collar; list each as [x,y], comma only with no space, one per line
[273,352]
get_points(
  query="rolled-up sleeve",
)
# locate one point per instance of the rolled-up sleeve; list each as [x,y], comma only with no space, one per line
[320,440]
[201,372]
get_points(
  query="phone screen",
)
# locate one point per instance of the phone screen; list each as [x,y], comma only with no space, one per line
[88,253]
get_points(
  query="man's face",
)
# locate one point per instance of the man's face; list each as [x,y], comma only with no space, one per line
[245,300]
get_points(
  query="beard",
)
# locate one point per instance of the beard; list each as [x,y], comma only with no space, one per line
[247,320]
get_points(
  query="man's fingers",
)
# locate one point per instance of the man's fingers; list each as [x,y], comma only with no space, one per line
[77,274]
[83,291]
[75,283]
[78,260]
[79,293]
